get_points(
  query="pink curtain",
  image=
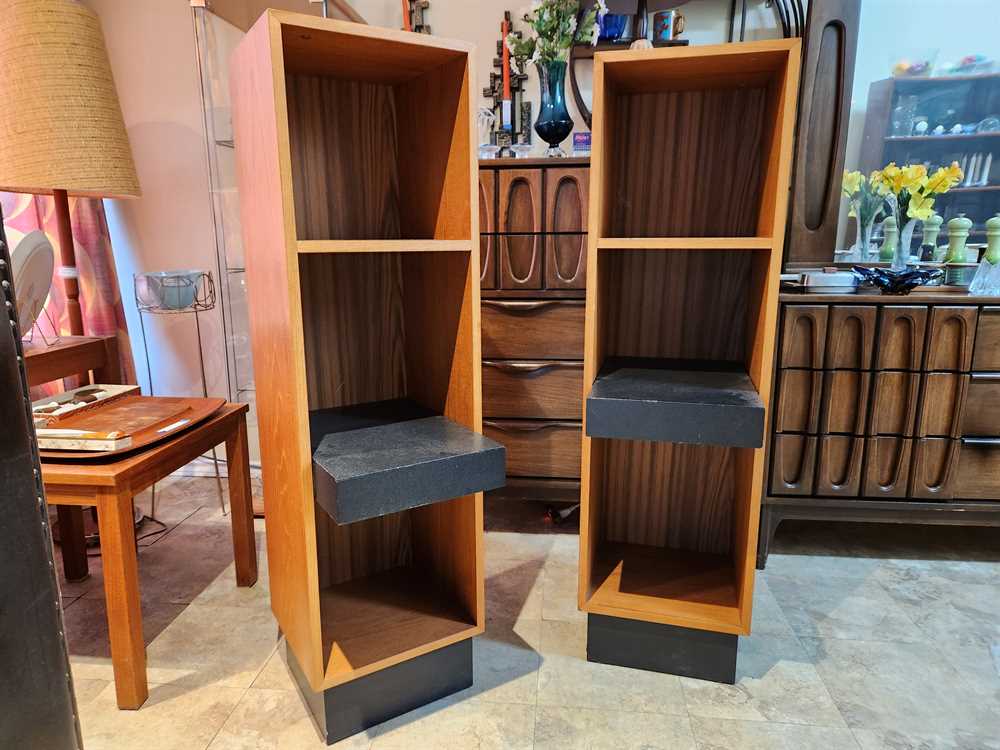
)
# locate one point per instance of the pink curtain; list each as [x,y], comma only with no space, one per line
[100,296]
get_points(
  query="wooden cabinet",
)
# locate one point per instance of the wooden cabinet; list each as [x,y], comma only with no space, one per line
[803,336]
[887,467]
[942,403]
[487,229]
[538,448]
[935,462]
[850,337]
[532,317]
[977,477]
[549,389]
[520,208]
[521,260]
[845,402]
[839,465]
[566,192]
[798,401]
[950,338]
[566,261]
[901,337]
[981,416]
[793,464]
[987,357]
[894,403]
[514,329]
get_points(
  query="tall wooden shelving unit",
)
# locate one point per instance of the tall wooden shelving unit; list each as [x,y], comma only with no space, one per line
[689,193]
[358,181]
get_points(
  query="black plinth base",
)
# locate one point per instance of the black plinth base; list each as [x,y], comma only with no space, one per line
[676,401]
[355,706]
[702,654]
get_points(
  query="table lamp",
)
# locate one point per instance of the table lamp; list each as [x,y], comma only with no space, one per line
[61,127]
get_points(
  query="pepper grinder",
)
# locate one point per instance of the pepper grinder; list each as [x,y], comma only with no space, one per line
[932,228]
[958,235]
[891,234]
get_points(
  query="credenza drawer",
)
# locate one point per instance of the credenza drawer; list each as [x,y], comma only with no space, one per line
[541,389]
[981,416]
[538,448]
[987,356]
[529,329]
[978,469]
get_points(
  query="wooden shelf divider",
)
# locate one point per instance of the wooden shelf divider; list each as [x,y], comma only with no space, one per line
[357,181]
[691,155]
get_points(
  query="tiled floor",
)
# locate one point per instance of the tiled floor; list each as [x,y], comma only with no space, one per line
[865,637]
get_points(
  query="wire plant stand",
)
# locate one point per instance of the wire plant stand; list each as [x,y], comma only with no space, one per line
[177,293]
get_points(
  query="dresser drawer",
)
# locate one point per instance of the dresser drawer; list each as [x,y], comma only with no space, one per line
[537,448]
[793,464]
[540,389]
[981,417]
[549,329]
[978,476]
[987,356]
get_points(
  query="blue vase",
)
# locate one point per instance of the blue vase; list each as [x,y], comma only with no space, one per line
[554,123]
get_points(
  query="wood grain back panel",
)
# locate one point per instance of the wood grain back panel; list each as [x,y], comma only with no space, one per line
[343,144]
[701,176]
[669,495]
[676,304]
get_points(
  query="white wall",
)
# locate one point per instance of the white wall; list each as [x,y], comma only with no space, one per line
[152,50]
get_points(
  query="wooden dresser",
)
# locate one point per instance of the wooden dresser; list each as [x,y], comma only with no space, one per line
[533,241]
[887,409]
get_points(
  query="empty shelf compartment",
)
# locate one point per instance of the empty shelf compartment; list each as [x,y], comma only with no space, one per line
[677,401]
[389,456]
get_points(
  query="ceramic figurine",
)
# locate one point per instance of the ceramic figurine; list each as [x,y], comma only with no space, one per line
[987,279]
[932,228]
[891,233]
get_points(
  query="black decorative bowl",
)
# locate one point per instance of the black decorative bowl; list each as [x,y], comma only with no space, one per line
[896,282]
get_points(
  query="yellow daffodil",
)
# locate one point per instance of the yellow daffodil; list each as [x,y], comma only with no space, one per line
[944,179]
[852,182]
[912,177]
[878,182]
[920,206]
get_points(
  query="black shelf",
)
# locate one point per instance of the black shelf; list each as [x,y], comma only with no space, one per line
[370,460]
[676,401]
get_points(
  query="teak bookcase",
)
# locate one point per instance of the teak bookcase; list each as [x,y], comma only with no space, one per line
[688,200]
[357,183]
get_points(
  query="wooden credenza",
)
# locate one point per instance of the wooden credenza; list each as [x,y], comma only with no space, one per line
[533,245]
[886,409]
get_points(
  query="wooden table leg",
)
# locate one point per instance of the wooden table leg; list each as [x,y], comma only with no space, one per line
[241,505]
[121,591]
[73,542]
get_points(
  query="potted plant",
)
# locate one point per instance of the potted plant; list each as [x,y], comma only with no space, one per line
[554,26]
[867,206]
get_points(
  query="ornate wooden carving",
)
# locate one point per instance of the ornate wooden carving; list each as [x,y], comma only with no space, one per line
[887,467]
[794,464]
[894,403]
[487,229]
[935,462]
[851,337]
[951,337]
[797,408]
[803,337]
[839,465]
[845,402]
[901,337]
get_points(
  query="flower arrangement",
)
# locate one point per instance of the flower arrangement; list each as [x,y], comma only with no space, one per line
[553,30]
[909,193]
[906,193]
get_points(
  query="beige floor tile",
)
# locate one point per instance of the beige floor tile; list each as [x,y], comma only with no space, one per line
[275,674]
[559,594]
[716,734]
[172,718]
[589,729]
[225,645]
[878,739]
[768,619]
[508,545]
[223,591]
[907,687]
[775,682]
[513,589]
[451,724]
[87,689]
[505,663]
[567,679]
[275,720]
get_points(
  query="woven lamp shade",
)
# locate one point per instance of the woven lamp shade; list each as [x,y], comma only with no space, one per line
[61,125]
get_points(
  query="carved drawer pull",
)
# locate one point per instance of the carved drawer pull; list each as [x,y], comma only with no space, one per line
[529,426]
[528,368]
[520,306]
